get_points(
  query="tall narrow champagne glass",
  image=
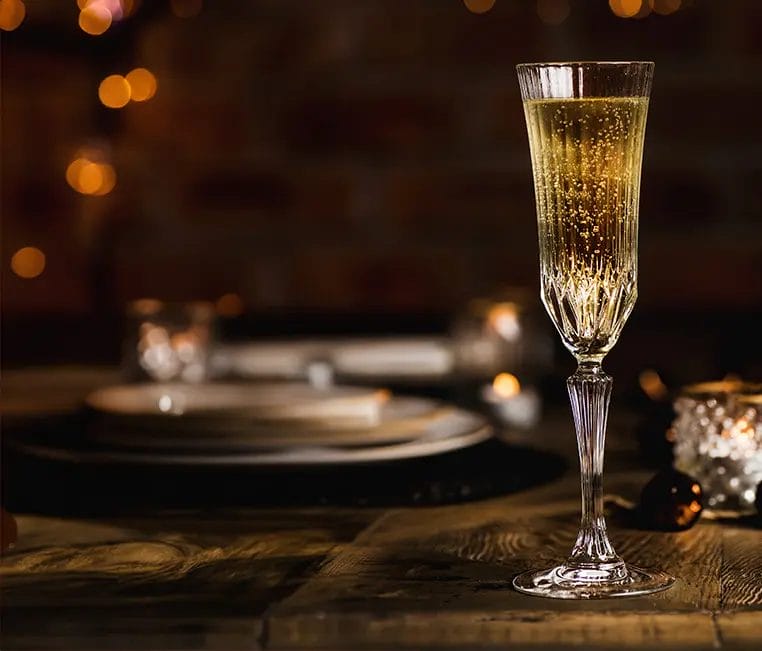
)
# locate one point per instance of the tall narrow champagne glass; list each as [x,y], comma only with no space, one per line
[586,123]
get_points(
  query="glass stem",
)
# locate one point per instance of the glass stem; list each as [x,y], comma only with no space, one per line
[593,557]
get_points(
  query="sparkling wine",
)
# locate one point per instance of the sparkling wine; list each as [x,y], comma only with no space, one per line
[586,122]
[586,156]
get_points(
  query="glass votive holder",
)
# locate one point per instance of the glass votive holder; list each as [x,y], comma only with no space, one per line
[499,333]
[168,341]
[717,434]
[501,350]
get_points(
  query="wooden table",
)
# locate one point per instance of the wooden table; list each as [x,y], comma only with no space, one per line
[414,578]
[404,578]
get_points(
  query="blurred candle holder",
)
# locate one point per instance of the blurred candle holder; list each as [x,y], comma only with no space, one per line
[501,333]
[718,440]
[511,403]
[502,349]
[168,341]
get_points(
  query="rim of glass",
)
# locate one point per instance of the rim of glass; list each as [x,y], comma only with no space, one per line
[558,64]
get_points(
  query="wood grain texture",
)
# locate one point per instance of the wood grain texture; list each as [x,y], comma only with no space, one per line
[475,629]
[742,567]
[468,546]
[424,578]
[181,582]
[442,577]
[436,578]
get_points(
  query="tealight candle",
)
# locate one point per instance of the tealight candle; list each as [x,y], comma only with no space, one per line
[511,403]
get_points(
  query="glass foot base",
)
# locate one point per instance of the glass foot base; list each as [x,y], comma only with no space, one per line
[556,584]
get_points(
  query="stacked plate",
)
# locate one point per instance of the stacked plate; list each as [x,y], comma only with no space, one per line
[272,424]
[386,359]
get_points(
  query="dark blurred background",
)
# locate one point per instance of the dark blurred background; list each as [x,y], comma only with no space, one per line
[359,165]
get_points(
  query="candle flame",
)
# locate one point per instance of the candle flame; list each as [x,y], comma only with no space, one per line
[503,318]
[742,428]
[506,385]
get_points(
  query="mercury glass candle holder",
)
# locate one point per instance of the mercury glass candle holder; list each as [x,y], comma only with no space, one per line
[718,440]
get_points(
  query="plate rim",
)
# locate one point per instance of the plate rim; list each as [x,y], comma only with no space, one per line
[295,457]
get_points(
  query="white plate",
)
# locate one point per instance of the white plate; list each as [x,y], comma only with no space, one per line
[460,430]
[400,419]
[287,359]
[285,402]
[414,357]
[384,357]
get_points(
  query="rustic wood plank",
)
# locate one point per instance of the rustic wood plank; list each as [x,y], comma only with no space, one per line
[742,568]
[436,569]
[180,582]
[693,557]
[511,534]
[470,629]
[139,629]
[740,629]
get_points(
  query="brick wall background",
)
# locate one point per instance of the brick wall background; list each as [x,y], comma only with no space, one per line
[361,154]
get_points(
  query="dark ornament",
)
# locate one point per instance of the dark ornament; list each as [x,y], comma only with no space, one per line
[670,501]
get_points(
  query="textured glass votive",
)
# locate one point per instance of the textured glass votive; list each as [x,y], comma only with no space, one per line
[718,441]
[168,341]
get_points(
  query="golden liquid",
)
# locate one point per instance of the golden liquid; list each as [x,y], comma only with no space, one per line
[586,158]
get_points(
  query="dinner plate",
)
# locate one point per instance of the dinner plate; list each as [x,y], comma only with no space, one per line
[414,357]
[282,402]
[460,429]
[286,359]
[400,419]
[387,358]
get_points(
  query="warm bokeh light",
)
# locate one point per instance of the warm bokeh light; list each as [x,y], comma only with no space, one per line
[145,306]
[95,19]
[626,8]
[553,12]
[72,172]
[28,262]
[652,385]
[503,318]
[230,305]
[108,179]
[506,385]
[12,14]
[664,7]
[118,9]
[142,84]
[479,6]
[187,8]
[114,91]
[742,428]
[92,177]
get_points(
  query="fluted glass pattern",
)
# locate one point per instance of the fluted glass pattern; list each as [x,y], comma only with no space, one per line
[590,392]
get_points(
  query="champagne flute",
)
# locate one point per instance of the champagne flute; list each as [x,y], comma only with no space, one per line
[586,124]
